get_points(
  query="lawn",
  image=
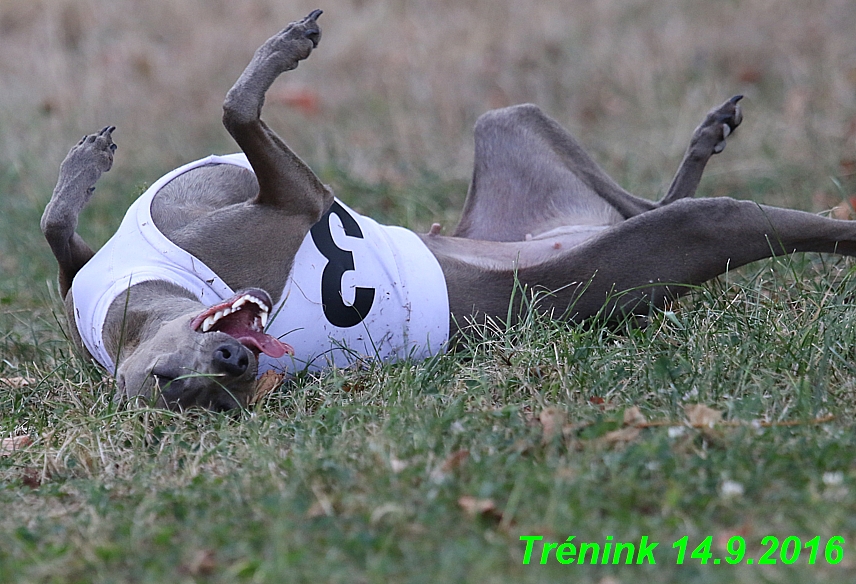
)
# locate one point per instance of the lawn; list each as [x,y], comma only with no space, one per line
[728,420]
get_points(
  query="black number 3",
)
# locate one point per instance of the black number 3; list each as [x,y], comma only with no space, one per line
[340,261]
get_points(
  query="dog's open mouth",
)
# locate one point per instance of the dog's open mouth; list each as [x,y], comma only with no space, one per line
[243,316]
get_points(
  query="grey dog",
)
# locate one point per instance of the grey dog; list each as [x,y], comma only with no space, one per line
[540,214]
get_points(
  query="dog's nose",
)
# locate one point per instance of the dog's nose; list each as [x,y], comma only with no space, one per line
[231,359]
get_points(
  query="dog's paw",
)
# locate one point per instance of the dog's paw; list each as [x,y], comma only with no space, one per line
[307,28]
[93,150]
[89,159]
[719,124]
[295,42]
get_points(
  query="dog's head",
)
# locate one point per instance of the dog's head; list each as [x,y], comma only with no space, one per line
[207,359]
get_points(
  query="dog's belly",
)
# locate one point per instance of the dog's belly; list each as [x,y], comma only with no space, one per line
[506,256]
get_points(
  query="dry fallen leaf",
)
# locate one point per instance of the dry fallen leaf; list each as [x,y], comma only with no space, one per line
[628,434]
[475,507]
[32,477]
[700,415]
[265,384]
[322,505]
[552,421]
[10,445]
[384,510]
[315,510]
[397,465]
[455,460]
[203,563]
[16,382]
[723,536]
[633,417]
[843,211]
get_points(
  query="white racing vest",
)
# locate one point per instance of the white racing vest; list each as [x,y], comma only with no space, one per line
[357,290]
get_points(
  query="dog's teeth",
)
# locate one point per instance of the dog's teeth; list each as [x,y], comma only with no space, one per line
[248,298]
[259,322]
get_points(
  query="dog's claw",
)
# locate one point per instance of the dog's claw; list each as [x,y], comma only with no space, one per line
[738,116]
[719,125]
[313,33]
[314,36]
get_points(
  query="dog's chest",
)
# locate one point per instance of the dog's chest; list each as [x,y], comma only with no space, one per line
[359,289]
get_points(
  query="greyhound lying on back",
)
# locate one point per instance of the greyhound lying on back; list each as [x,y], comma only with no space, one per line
[158,307]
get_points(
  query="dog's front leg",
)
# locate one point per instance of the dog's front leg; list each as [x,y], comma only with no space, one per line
[708,139]
[78,173]
[285,181]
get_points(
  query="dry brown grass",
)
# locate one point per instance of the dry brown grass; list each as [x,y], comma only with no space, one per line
[400,82]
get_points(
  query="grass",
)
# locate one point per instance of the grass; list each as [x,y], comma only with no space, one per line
[360,475]
[433,471]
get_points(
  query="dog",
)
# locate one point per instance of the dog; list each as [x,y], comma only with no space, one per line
[234,265]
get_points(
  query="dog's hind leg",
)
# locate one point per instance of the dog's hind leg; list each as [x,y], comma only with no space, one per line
[655,256]
[78,173]
[707,140]
[285,182]
[531,176]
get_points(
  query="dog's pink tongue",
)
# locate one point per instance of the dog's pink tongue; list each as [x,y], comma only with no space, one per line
[267,344]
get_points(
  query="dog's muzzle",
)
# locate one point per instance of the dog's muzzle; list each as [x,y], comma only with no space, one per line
[243,317]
